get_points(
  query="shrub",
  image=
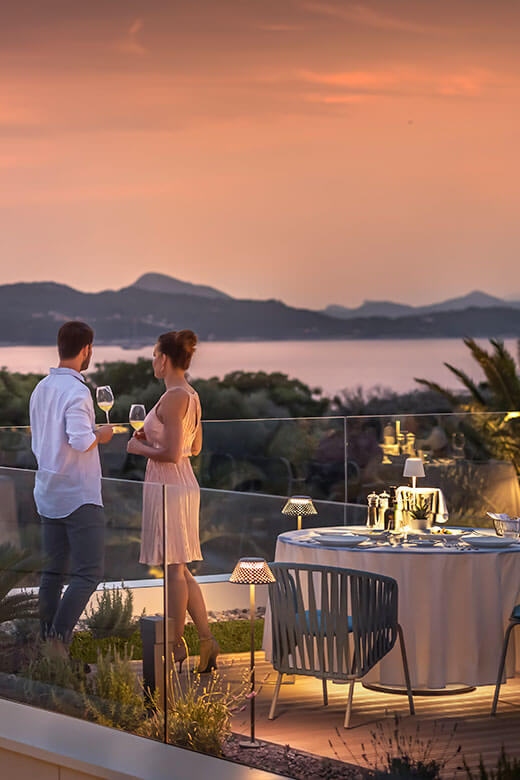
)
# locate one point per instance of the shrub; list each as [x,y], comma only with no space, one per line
[54,682]
[113,615]
[114,698]
[507,769]
[198,714]
[85,647]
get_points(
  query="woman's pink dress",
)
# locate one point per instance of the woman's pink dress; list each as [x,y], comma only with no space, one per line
[183,493]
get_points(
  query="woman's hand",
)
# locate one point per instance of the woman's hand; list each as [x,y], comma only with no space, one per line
[140,435]
[135,446]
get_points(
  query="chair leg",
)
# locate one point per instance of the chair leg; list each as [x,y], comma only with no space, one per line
[325,695]
[275,696]
[501,666]
[406,670]
[349,704]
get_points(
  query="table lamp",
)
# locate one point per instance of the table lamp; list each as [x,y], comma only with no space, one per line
[413,467]
[252,571]
[297,506]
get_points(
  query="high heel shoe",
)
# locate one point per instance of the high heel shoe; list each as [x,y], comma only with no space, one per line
[180,653]
[209,649]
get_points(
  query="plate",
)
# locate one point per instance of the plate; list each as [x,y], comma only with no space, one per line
[487,542]
[340,540]
[337,530]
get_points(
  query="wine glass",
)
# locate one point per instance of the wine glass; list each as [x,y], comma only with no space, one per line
[105,399]
[136,416]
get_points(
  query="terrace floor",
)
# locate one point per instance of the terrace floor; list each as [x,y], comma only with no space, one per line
[303,722]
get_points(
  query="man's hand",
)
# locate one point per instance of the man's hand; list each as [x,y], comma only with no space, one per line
[104,434]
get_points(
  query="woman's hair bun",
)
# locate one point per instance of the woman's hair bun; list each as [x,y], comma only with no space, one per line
[179,346]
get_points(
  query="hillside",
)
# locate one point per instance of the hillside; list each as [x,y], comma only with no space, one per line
[31,313]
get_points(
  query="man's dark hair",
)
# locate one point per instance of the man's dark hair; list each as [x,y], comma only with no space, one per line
[72,337]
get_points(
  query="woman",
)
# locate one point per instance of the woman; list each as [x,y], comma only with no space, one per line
[171,434]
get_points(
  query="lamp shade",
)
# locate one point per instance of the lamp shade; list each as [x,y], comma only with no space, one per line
[299,505]
[252,571]
[413,467]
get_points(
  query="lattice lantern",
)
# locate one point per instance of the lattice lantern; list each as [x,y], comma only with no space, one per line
[252,571]
[297,506]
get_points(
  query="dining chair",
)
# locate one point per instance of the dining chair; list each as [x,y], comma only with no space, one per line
[333,624]
[514,620]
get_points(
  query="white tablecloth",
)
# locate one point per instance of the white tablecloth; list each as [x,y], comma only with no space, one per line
[453,607]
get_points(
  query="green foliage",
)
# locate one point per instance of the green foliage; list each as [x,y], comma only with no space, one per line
[15,389]
[233,636]
[113,615]
[506,769]
[499,391]
[55,682]
[114,697]
[15,566]
[85,647]
[383,400]
[422,508]
[198,713]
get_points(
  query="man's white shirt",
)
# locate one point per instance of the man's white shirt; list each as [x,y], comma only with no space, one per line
[62,430]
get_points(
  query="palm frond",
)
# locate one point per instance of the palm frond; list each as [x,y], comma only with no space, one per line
[468,383]
[454,401]
[493,374]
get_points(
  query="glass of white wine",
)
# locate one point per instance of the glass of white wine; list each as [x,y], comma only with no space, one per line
[105,399]
[136,416]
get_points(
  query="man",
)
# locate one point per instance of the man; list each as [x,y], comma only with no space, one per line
[68,485]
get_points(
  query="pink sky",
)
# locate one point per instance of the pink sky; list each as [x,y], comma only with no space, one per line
[317,152]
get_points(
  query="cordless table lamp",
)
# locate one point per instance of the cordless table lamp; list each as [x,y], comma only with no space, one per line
[252,571]
[298,506]
[413,467]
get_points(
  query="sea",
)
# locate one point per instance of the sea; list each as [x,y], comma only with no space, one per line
[330,365]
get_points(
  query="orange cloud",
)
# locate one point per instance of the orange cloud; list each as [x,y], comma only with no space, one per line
[130,44]
[366,16]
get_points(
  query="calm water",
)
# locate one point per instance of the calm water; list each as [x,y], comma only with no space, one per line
[331,365]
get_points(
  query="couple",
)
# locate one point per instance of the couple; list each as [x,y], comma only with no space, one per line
[68,487]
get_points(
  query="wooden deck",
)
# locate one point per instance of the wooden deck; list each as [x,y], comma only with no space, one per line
[303,722]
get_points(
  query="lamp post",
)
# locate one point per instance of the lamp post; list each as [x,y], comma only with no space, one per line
[297,506]
[252,571]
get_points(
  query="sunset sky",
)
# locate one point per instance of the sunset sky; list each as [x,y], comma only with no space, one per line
[316,152]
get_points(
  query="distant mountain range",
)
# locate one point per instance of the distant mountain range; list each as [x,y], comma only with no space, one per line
[30,313]
[474,299]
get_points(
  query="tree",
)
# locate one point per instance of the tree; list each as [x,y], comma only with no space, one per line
[495,401]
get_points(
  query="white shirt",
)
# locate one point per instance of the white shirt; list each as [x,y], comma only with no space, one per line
[62,429]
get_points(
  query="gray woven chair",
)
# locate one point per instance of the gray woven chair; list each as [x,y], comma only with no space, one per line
[514,620]
[333,624]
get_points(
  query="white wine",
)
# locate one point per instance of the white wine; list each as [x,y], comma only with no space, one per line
[137,424]
[105,406]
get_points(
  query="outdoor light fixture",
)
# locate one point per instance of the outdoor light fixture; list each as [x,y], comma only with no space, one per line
[252,571]
[413,467]
[298,506]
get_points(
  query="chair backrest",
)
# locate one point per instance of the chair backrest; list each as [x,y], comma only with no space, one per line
[330,622]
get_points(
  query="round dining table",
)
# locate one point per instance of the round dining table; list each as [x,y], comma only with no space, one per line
[454,605]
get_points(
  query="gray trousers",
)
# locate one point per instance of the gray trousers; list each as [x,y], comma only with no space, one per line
[75,546]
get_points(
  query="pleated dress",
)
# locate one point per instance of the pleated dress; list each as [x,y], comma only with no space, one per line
[182,493]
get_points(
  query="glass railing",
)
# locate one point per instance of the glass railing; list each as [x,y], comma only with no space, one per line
[99,674]
[473,459]
[117,668]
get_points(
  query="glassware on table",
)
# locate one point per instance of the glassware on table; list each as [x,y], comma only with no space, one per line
[136,416]
[508,527]
[457,444]
[105,399]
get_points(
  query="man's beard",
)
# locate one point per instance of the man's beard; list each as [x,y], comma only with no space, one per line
[86,362]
